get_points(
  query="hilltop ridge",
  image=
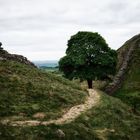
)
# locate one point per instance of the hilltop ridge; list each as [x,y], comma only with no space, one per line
[4,55]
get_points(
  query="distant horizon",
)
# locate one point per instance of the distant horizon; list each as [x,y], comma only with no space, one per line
[45,61]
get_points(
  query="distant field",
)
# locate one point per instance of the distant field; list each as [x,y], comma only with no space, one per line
[48,64]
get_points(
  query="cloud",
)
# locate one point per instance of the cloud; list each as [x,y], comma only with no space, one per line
[41,28]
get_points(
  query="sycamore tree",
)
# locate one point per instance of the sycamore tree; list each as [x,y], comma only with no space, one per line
[88,57]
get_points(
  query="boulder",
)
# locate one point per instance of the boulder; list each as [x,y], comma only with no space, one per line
[60,133]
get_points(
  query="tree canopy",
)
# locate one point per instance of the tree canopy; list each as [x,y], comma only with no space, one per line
[88,57]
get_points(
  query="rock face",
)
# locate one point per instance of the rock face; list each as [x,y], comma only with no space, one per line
[4,55]
[125,54]
[0,46]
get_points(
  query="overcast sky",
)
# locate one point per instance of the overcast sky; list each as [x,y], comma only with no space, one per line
[39,29]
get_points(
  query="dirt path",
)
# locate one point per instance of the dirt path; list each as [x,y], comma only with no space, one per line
[68,117]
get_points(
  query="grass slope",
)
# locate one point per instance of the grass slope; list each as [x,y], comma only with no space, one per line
[25,91]
[110,120]
[130,90]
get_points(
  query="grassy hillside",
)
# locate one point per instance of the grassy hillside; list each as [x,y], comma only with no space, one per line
[110,120]
[130,90]
[25,91]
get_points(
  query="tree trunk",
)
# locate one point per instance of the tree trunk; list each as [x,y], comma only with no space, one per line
[89,83]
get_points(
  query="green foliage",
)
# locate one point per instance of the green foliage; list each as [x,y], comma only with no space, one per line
[88,57]
[28,90]
[66,65]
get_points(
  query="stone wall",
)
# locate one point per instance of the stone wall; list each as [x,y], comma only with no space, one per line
[125,56]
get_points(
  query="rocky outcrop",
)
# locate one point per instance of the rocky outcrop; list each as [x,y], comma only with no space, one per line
[4,55]
[125,54]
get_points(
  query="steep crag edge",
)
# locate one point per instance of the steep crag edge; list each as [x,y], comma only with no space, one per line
[125,54]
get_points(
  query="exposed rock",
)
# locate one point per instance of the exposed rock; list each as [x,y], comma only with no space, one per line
[0,46]
[22,114]
[60,133]
[1,58]
[39,115]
